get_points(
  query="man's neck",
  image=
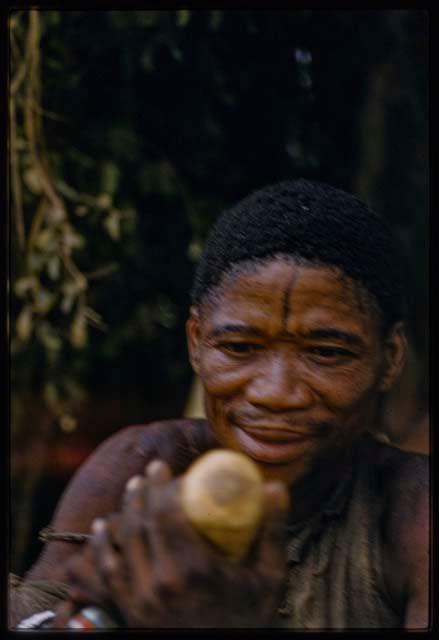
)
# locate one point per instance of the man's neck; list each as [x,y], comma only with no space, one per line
[309,487]
[311,491]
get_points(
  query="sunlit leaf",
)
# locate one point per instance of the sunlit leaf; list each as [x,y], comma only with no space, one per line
[183,17]
[81,210]
[194,250]
[24,324]
[20,144]
[32,179]
[36,261]
[43,301]
[51,396]
[54,267]
[67,303]
[23,285]
[56,214]
[46,240]
[104,201]
[112,224]
[71,291]
[68,423]
[78,331]
[72,239]
[110,180]
[48,337]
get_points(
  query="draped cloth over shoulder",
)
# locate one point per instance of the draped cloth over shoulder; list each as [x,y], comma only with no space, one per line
[32,596]
[335,568]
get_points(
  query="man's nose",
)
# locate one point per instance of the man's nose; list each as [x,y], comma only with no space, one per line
[279,386]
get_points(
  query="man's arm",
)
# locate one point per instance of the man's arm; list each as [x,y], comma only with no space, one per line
[407,541]
[97,487]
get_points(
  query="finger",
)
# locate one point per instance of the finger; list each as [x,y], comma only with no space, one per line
[173,540]
[85,580]
[119,562]
[63,613]
[158,472]
[130,536]
[134,495]
[108,560]
[80,574]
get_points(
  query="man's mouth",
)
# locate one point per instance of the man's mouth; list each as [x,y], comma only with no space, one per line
[274,443]
[271,433]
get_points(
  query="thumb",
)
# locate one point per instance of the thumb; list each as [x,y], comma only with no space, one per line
[63,613]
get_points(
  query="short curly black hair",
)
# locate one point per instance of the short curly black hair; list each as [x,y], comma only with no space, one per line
[316,223]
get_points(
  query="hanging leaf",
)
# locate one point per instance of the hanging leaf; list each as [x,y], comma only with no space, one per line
[24,324]
[71,290]
[78,331]
[48,337]
[36,261]
[56,214]
[51,397]
[32,179]
[104,201]
[183,17]
[46,240]
[43,301]
[54,267]
[81,210]
[72,239]
[112,224]
[68,423]
[110,179]
[25,284]
[194,250]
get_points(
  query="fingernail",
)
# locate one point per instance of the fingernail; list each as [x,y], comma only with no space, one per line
[98,525]
[154,467]
[133,483]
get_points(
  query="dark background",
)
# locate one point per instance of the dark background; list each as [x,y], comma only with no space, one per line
[146,124]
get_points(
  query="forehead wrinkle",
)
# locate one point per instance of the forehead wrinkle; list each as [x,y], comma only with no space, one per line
[286,307]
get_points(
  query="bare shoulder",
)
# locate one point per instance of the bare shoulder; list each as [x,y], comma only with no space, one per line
[405,527]
[402,475]
[96,489]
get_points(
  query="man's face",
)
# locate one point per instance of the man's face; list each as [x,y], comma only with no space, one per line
[291,363]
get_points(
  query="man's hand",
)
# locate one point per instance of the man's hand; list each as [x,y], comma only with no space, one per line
[150,567]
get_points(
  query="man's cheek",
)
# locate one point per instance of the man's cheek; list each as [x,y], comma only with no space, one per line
[345,394]
[221,379]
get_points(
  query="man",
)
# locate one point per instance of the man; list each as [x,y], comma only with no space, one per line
[297,333]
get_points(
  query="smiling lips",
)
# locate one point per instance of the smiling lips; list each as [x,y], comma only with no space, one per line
[276,434]
[273,444]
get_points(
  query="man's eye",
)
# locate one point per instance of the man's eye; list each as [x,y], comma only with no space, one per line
[239,348]
[330,353]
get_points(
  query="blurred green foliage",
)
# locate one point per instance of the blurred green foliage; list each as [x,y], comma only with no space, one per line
[153,121]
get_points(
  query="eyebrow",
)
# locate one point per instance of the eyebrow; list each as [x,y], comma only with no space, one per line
[316,334]
[336,334]
[236,328]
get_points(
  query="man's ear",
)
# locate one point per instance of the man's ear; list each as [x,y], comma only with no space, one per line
[395,356]
[193,338]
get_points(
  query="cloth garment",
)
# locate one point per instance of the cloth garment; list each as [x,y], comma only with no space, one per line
[335,577]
